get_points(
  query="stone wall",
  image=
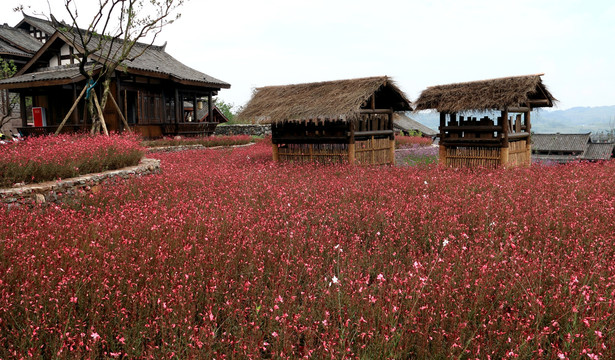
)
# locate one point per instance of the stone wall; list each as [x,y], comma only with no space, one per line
[56,191]
[243,129]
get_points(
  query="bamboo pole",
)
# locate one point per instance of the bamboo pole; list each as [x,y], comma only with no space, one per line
[70,112]
[119,111]
[101,117]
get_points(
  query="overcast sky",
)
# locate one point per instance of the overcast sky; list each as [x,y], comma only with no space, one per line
[251,43]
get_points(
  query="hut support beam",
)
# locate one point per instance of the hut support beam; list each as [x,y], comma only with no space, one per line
[528,129]
[351,153]
[505,129]
[442,157]
[351,145]
[22,110]
[276,152]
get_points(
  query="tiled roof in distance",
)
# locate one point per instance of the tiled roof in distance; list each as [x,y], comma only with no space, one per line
[560,142]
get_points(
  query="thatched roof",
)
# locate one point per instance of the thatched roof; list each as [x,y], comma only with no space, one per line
[342,99]
[494,94]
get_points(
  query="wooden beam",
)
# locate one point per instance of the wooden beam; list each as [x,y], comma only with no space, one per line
[520,109]
[505,128]
[276,152]
[194,109]
[479,128]
[442,124]
[178,109]
[442,157]
[376,111]
[210,107]
[539,102]
[374,133]
[518,136]
[22,110]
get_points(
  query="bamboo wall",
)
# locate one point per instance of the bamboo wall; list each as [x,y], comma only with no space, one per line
[473,157]
[373,151]
[322,153]
[518,154]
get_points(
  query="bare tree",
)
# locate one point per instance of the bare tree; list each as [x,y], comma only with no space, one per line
[8,101]
[119,32]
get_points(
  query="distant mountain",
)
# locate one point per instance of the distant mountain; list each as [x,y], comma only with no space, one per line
[573,120]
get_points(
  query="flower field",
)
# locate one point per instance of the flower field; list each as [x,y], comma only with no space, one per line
[48,158]
[411,141]
[226,254]
[209,141]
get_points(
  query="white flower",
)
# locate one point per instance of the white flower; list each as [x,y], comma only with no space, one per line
[444,242]
[335,280]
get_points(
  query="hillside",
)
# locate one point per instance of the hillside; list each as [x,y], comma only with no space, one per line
[573,120]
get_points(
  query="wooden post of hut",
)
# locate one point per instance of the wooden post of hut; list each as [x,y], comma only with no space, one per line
[351,144]
[479,142]
[335,121]
[504,147]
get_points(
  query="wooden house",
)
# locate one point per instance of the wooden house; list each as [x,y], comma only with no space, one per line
[202,124]
[564,148]
[334,121]
[468,140]
[17,47]
[150,90]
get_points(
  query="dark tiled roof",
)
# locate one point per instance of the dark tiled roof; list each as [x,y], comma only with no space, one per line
[19,39]
[560,142]
[537,158]
[8,49]
[599,151]
[153,60]
[156,60]
[68,73]
[40,24]
[403,122]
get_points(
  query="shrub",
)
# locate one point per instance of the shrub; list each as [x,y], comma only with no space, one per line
[410,141]
[208,141]
[53,157]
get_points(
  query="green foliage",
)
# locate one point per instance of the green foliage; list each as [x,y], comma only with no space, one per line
[226,109]
[7,101]
[7,68]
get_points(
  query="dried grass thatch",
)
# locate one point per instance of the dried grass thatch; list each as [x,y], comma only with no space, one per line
[494,94]
[340,99]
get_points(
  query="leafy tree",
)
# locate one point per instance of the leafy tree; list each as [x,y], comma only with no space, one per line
[8,101]
[226,109]
[112,39]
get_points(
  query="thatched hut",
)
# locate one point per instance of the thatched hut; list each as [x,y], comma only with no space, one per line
[345,120]
[471,141]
